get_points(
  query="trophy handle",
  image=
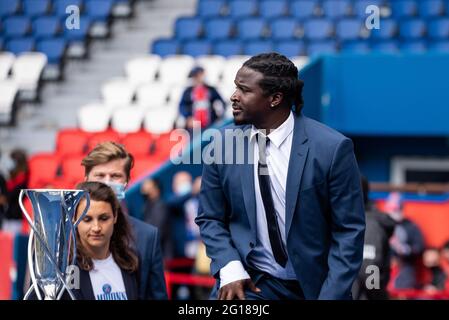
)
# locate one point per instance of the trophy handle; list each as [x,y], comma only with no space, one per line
[86,195]
[22,207]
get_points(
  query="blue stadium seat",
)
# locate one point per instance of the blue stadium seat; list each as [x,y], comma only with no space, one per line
[336,8]
[54,49]
[250,28]
[290,48]
[439,46]
[9,8]
[16,26]
[252,48]
[348,29]
[321,47]
[272,8]
[165,47]
[431,8]
[210,8]
[60,6]
[360,6]
[385,47]
[388,29]
[45,27]
[34,8]
[227,48]
[20,45]
[218,28]
[403,8]
[413,46]
[318,29]
[283,28]
[99,10]
[438,29]
[355,47]
[196,48]
[412,29]
[188,28]
[242,8]
[303,9]
[78,34]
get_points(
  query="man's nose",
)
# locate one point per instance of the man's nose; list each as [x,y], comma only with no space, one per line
[234,97]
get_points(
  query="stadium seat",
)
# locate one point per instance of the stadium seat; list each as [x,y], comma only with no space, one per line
[210,8]
[187,28]
[60,6]
[20,45]
[213,66]
[35,8]
[227,48]
[218,28]
[242,8]
[143,165]
[165,47]
[284,28]
[251,28]
[45,27]
[252,48]
[79,35]
[303,9]
[159,121]
[385,47]
[318,29]
[321,47]
[99,137]
[272,8]
[27,70]
[197,48]
[430,8]
[290,48]
[138,143]
[142,69]
[117,92]
[355,47]
[413,46]
[412,29]
[71,142]
[439,46]
[438,29]
[403,8]
[232,65]
[98,10]
[360,6]
[348,29]
[43,169]
[72,170]
[16,26]
[9,8]
[336,9]
[6,62]
[152,95]
[10,91]
[387,30]
[94,117]
[175,69]
[127,119]
[175,96]
[53,48]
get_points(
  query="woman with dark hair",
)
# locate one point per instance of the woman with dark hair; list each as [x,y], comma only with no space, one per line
[104,248]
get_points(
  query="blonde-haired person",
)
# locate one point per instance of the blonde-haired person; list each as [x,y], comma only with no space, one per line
[111,163]
[108,264]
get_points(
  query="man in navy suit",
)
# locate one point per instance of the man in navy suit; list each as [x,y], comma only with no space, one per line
[110,163]
[288,222]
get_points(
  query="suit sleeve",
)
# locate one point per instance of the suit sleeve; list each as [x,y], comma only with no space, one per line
[157,279]
[347,224]
[212,221]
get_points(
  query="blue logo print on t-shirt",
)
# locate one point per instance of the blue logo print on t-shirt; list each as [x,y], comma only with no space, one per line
[109,295]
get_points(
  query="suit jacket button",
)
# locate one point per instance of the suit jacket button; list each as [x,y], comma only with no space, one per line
[252,245]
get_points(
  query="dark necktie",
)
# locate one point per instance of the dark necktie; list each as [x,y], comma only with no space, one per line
[280,255]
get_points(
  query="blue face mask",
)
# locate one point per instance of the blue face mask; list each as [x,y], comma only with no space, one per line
[184,189]
[118,188]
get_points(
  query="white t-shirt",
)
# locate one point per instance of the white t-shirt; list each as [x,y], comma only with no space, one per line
[107,280]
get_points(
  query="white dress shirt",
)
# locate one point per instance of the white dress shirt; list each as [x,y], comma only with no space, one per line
[278,156]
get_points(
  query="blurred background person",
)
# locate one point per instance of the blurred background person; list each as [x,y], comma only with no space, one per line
[200,101]
[436,278]
[376,252]
[3,196]
[156,212]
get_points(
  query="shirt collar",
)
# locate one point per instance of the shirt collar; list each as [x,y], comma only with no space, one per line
[278,136]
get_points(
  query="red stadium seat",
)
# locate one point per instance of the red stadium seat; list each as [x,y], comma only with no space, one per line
[72,171]
[96,138]
[144,164]
[163,146]
[138,144]
[71,142]
[6,258]
[43,169]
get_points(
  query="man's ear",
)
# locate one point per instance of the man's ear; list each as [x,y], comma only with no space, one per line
[276,99]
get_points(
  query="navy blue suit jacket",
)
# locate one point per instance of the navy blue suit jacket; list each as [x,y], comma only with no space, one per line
[151,271]
[325,220]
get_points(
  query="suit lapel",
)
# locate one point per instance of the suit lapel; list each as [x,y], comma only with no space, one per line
[87,292]
[297,161]
[130,285]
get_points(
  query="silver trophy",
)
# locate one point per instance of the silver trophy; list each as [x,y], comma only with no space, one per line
[52,241]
